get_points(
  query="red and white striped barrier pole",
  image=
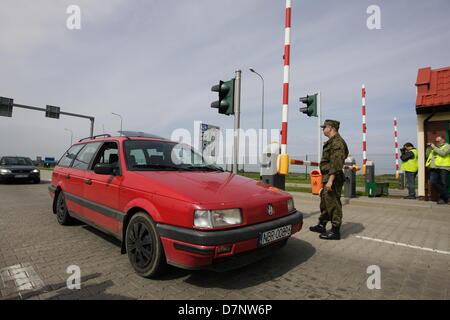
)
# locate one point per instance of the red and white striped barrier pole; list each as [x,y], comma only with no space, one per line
[364,129]
[316,164]
[304,163]
[284,158]
[396,148]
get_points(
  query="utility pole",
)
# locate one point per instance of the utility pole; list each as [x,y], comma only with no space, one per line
[262,108]
[237,115]
[71,135]
[319,117]
[121,120]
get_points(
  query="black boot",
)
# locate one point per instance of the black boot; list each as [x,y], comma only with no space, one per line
[319,228]
[333,234]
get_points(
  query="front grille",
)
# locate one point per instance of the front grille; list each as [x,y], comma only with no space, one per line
[20,171]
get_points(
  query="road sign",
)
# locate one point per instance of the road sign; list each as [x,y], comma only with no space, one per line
[6,107]
[209,141]
[52,112]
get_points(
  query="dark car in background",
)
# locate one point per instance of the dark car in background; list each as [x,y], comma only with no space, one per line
[18,169]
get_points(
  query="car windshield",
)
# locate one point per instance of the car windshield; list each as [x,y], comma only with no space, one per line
[16,161]
[153,155]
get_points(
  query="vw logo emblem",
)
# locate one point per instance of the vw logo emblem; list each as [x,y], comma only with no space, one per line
[269,209]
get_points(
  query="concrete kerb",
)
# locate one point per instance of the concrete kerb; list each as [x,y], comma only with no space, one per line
[381,202]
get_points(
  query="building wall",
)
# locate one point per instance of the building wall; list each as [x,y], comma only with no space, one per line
[442,116]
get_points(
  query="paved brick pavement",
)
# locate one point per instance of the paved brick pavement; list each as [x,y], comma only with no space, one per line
[35,252]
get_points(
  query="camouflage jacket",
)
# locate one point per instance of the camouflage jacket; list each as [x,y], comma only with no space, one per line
[334,153]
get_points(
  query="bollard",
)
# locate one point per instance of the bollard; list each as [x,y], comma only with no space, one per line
[350,178]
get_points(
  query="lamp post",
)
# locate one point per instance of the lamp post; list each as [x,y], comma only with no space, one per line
[121,120]
[262,106]
[71,135]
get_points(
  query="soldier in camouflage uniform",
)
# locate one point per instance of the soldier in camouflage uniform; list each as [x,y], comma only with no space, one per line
[334,153]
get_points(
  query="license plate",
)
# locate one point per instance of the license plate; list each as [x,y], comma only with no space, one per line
[274,235]
[21,176]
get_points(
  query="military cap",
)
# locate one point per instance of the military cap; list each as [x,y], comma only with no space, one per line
[332,123]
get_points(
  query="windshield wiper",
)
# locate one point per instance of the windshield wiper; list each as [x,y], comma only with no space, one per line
[157,166]
[178,168]
[206,168]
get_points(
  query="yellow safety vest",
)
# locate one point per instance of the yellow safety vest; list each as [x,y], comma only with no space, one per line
[439,160]
[412,165]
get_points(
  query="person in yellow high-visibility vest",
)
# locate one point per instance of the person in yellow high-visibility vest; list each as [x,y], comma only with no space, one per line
[410,165]
[438,160]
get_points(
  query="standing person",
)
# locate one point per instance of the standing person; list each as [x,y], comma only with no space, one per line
[438,160]
[334,153]
[410,165]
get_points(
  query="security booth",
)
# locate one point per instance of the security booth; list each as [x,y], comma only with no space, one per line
[370,171]
[269,166]
[433,119]
[350,178]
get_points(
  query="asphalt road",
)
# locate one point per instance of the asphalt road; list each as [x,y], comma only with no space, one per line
[410,248]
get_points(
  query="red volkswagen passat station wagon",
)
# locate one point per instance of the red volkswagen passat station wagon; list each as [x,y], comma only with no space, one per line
[168,206]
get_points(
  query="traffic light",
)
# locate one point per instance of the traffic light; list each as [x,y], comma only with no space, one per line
[52,112]
[311,102]
[6,107]
[225,104]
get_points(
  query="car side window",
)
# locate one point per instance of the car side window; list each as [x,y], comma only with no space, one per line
[70,154]
[85,156]
[108,154]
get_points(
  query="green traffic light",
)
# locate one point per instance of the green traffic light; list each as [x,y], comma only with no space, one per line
[311,102]
[225,104]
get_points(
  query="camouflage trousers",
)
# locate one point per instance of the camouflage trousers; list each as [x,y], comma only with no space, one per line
[330,202]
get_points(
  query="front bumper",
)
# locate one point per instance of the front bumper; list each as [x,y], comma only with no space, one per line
[20,176]
[194,249]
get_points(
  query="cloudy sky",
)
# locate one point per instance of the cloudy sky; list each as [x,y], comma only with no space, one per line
[154,62]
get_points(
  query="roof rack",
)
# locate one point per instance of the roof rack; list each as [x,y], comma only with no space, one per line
[107,135]
[140,134]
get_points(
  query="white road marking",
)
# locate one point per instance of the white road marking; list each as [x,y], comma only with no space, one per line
[404,245]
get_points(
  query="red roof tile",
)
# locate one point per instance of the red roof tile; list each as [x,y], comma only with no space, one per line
[433,87]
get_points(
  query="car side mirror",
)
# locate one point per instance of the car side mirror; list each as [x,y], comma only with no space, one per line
[104,168]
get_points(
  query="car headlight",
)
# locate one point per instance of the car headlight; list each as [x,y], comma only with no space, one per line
[35,171]
[5,171]
[291,205]
[209,219]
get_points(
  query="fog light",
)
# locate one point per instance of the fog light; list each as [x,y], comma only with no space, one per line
[224,249]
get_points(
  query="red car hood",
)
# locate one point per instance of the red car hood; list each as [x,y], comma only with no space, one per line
[211,187]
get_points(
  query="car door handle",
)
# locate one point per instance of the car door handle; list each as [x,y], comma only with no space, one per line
[88,182]
[67,176]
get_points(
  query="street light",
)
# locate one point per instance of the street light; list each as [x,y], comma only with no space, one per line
[121,120]
[71,135]
[262,111]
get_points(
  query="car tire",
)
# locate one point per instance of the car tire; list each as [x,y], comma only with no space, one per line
[144,247]
[36,181]
[62,213]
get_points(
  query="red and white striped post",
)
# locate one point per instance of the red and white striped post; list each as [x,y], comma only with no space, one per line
[396,148]
[364,128]
[284,158]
